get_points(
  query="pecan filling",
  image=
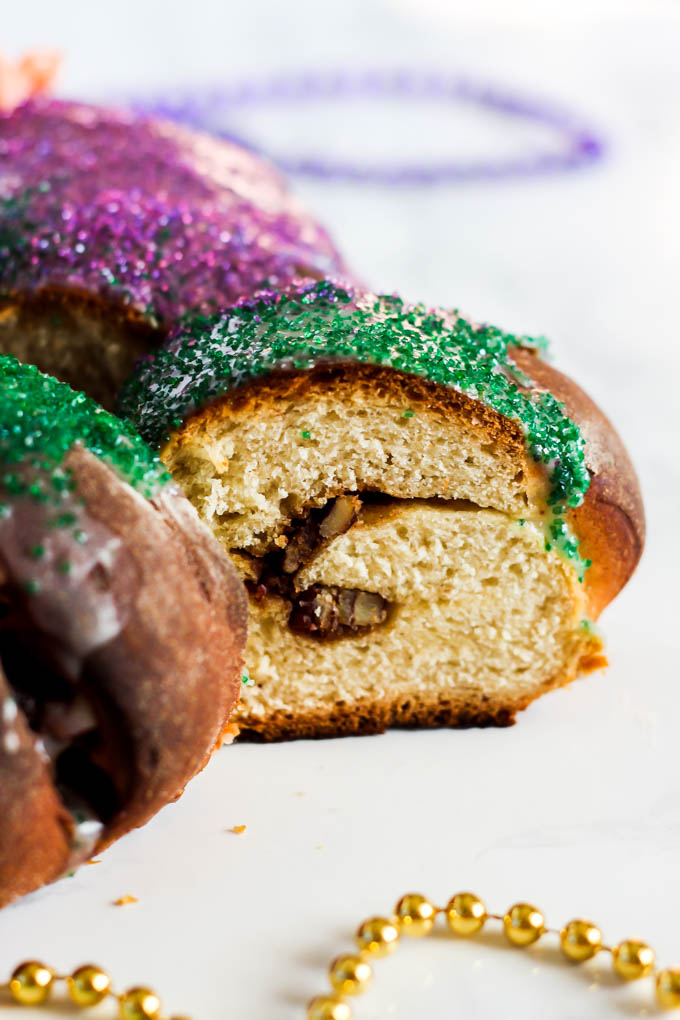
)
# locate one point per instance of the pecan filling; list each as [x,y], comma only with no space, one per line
[332,611]
[321,611]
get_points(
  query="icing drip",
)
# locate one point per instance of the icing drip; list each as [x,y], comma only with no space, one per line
[63,569]
[49,544]
[58,600]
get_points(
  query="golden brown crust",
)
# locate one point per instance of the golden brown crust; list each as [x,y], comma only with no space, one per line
[35,843]
[168,680]
[467,710]
[376,717]
[610,522]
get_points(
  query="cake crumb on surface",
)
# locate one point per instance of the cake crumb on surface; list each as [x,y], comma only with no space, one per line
[123,901]
[237,829]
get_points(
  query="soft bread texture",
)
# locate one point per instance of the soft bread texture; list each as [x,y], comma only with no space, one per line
[482,619]
[167,694]
[249,469]
[91,345]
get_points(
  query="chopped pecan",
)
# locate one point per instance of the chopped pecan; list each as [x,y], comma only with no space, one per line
[341,516]
[319,527]
[331,611]
[301,546]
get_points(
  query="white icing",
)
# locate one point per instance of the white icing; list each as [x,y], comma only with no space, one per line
[86,834]
[9,711]
[41,749]
[11,742]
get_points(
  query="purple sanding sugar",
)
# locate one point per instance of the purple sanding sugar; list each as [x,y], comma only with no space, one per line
[134,210]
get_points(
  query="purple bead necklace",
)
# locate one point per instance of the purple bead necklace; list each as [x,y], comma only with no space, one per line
[579,145]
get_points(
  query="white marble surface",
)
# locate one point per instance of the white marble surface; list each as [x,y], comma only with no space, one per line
[576,808]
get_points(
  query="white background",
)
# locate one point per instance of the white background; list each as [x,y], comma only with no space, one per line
[577,808]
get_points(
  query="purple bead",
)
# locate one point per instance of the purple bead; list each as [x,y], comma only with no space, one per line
[575,145]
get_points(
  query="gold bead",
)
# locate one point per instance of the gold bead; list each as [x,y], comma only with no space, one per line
[668,988]
[465,913]
[325,1007]
[580,940]
[89,985]
[350,974]
[415,914]
[633,959]
[378,936]
[31,983]
[139,1004]
[523,924]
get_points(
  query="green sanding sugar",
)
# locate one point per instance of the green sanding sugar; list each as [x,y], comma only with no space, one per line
[41,419]
[300,328]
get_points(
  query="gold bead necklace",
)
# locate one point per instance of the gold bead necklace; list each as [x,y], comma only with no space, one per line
[32,983]
[466,914]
